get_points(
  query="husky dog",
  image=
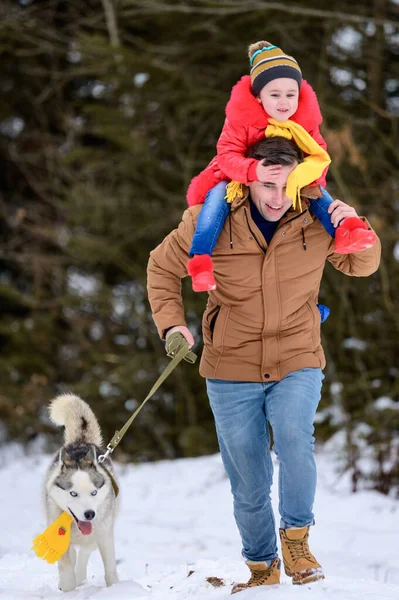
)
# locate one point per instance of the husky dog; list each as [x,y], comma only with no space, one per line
[86,489]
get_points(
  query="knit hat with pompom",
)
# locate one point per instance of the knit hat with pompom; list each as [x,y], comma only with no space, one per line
[269,62]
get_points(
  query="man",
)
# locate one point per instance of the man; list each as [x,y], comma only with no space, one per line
[262,358]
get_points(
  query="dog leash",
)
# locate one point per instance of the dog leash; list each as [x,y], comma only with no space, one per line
[54,541]
[177,349]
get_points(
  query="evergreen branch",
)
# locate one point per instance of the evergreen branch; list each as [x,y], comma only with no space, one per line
[112,27]
[238,7]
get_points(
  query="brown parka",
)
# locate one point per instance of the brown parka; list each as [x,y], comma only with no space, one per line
[262,321]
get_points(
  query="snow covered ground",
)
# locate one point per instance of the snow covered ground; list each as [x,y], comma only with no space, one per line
[176,518]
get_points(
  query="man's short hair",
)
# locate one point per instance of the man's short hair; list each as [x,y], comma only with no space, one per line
[276,151]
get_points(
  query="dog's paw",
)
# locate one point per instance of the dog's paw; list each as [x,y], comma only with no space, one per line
[67,583]
[80,578]
[111,578]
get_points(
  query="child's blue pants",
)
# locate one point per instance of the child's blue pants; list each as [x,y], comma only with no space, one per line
[215,210]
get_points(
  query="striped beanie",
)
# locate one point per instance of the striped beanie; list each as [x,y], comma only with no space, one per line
[268,63]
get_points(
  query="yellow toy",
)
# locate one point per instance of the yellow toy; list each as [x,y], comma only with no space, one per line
[54,541]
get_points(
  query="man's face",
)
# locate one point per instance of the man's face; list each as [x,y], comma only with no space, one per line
[269,196]
[280,98]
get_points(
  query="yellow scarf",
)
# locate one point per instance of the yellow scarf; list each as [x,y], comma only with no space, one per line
[313,165]
[305,173]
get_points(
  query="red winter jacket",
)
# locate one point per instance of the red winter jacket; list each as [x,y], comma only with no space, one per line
[245,124]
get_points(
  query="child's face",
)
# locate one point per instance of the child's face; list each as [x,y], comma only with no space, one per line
[280,98]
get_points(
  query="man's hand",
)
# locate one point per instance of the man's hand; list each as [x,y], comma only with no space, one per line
[185,333]
[270,173]
[339,210]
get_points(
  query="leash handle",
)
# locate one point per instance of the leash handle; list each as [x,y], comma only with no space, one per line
[177,349]
[174,343]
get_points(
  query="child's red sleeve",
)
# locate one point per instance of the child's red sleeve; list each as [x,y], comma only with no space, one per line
[316,135]
[232,148]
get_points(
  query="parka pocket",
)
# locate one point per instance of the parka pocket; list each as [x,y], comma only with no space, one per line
[315,322]
[220,326]
[212,322]
[208,323]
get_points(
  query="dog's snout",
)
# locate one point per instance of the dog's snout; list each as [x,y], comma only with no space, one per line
[89,514]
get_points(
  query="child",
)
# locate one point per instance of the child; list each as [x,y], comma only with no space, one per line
[273,100]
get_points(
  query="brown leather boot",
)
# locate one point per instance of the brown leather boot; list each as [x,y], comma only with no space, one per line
[299,562]
[261,574]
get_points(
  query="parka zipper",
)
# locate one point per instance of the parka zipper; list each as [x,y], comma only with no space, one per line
[288,221]
[252,233]
[295,216]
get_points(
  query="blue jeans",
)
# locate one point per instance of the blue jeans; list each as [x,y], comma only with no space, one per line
[319,208]
[243,412]
[215,210]
[210,220]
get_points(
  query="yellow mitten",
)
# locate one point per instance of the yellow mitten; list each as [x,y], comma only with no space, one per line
[54,541]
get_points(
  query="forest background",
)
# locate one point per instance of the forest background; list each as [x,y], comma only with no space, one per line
[107,109]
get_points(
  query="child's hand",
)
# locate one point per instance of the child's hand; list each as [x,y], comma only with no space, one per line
[267,174]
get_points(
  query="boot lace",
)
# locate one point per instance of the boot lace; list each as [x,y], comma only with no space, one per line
[260,577]
[299,549]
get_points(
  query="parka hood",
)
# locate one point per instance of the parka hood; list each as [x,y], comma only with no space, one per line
[244,109]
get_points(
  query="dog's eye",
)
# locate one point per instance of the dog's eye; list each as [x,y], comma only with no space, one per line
[94,493]
[74,494]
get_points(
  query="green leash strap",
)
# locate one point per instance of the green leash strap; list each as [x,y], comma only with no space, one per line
[175,342]
[177,349]
[115,486]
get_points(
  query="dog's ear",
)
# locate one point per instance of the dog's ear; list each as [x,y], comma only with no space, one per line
[90,459]
[65,459]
